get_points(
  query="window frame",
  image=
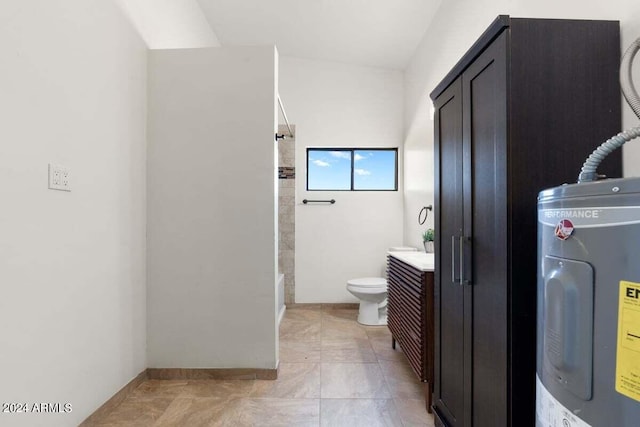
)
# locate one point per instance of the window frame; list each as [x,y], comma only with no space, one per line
[352,150]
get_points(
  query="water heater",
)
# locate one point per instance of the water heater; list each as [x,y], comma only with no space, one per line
[588,365]
[588,350]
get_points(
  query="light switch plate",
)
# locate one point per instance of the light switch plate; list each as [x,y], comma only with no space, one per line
[59,178]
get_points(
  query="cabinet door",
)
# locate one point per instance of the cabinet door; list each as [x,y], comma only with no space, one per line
[448,311]
[484,88]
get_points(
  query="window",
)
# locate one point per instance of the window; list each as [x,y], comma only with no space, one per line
[352,169]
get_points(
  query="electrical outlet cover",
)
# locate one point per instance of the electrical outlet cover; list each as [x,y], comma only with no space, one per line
[59,178]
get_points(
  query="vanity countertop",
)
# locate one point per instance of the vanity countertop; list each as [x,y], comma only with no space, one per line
[420,260]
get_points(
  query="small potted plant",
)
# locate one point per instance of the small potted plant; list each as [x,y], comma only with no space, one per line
[427,240]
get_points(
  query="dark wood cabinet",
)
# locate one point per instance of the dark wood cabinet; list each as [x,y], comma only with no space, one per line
[410,317]
[519,113]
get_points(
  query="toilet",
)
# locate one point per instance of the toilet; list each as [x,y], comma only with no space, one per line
[372,293]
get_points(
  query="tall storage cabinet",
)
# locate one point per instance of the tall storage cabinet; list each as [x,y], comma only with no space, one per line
[518,113]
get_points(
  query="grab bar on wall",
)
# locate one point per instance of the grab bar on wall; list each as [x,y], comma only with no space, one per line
[284,115]
[305,201]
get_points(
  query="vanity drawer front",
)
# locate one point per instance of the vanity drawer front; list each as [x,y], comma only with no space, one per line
[407,313]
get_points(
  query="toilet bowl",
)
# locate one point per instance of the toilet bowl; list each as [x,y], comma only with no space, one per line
[372,293]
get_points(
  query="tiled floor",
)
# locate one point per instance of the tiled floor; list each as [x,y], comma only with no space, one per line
[333,372]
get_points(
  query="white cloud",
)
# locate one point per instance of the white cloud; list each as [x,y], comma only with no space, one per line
[341,154]
[358,157]
[362,172]
[320,163]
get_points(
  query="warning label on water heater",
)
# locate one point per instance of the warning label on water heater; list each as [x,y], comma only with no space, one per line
[628,351]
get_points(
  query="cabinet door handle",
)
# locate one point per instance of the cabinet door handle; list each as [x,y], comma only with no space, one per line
[461,242]
[453,260]
[463,281]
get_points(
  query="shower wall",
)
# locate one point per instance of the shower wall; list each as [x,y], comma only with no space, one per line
[286,212]
[197,287]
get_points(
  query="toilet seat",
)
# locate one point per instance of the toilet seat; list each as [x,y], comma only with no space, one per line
[368,282]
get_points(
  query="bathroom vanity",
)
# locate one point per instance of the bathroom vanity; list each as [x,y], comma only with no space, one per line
[410,311]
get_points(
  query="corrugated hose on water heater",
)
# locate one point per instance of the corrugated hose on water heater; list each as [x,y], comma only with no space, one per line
[588,171]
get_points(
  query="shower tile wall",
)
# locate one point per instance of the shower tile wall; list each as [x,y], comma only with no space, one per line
[286,216]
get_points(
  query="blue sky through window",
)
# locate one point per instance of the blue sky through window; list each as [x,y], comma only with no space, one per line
[374,170]
[331,169]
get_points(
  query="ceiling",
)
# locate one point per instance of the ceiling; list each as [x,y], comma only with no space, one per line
[378,33]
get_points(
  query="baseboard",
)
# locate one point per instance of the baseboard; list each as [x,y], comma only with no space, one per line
[341,306]
[325,306]
[114,401]
[212,374]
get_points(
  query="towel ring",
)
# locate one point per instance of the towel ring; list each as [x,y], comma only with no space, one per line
[426,210]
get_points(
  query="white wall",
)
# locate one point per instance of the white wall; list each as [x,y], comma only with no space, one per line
[212,212]
[455,27]
[170,24]
[338,105]
[72,265]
